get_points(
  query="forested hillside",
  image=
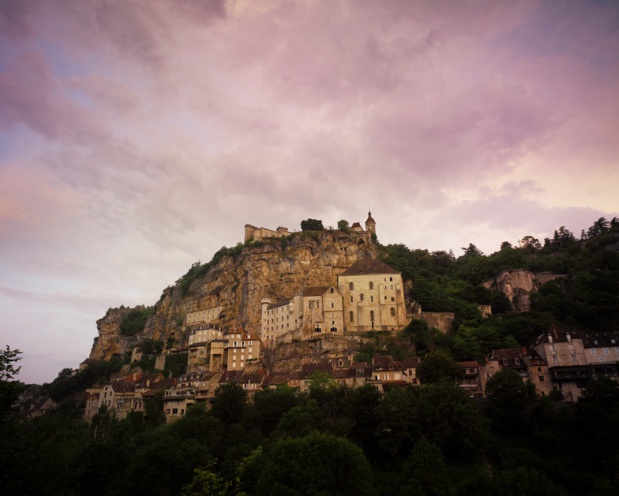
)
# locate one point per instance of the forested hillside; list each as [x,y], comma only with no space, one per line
[587,299]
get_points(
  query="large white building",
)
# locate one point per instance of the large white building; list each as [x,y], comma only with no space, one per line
[373,296]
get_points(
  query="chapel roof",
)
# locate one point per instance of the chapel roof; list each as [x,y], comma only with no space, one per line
[369,266]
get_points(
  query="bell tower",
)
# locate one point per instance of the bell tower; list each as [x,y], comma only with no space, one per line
[370,224]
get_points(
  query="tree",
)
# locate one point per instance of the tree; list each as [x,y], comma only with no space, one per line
[317,464]
[425,472]
[343,225]
[510,400]
[9,389]
[229,403]
[312,225]
[8,358]
[439,365]
[530,242]
[472,251]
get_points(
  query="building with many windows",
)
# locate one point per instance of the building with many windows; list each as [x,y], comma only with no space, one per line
[373,297]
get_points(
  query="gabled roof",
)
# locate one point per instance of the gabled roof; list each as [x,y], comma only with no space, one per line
[409,363]
[123,387]
[315,291]
[276,379]
[371,266]
[255,378]
[231,376]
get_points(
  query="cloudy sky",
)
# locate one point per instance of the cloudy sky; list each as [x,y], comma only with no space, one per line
[139,136]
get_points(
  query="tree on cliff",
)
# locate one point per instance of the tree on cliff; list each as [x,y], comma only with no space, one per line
[312,225]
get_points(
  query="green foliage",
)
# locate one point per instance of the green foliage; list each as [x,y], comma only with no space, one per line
[510,401]
[343,225]
[175,364]
[65,385]
[151,346]
[134,322]
[229,403]
[9,388]
[198,269]
[439,365]
[317,464]
[312,225]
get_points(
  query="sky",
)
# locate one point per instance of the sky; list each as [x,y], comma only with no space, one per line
[140,136]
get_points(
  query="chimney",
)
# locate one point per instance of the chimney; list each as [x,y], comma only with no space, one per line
[569,337]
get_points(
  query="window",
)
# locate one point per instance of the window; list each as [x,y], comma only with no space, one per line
[505,362]
[351,316]
[555,361]
[541,378]
[574,359]
[517,361]
[392,312]
[332,305]
[391,279]
[351,286]
[606,351]
[371,285]
[361,297]
[371,298]
[372,315]
[593,352]
[351,299]
[392,298]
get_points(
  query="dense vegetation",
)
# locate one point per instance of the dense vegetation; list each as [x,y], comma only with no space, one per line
[586,299]
[134,322]
[429,440]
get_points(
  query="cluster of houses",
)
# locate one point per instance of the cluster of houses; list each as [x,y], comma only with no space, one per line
[561,360]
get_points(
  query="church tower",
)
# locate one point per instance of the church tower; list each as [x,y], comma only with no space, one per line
[370,224]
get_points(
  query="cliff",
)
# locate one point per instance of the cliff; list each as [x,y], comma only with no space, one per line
[518,284]
[273,267]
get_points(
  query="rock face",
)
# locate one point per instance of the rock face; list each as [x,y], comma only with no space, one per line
[275,267]
[518,284]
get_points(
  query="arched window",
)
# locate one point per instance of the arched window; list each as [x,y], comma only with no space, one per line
[371,285]
[361,297]
[392,312]
[351,286]
[351,316]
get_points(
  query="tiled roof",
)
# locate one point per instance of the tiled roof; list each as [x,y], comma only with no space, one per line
[315,291]
[600,340]
[371,266]
[123,387]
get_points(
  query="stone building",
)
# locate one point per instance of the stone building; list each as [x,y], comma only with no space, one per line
[373,296]
[258,233]
[241,349]
[312,312]
[204,316]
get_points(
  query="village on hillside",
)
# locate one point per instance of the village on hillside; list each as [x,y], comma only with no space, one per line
[369,298]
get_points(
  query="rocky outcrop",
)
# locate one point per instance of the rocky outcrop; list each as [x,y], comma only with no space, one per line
[518,284]
[275,267]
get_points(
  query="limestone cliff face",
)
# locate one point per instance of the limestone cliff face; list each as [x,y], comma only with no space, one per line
[276,268]
[518,284]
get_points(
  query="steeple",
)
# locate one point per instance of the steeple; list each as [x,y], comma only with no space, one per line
[370,224]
